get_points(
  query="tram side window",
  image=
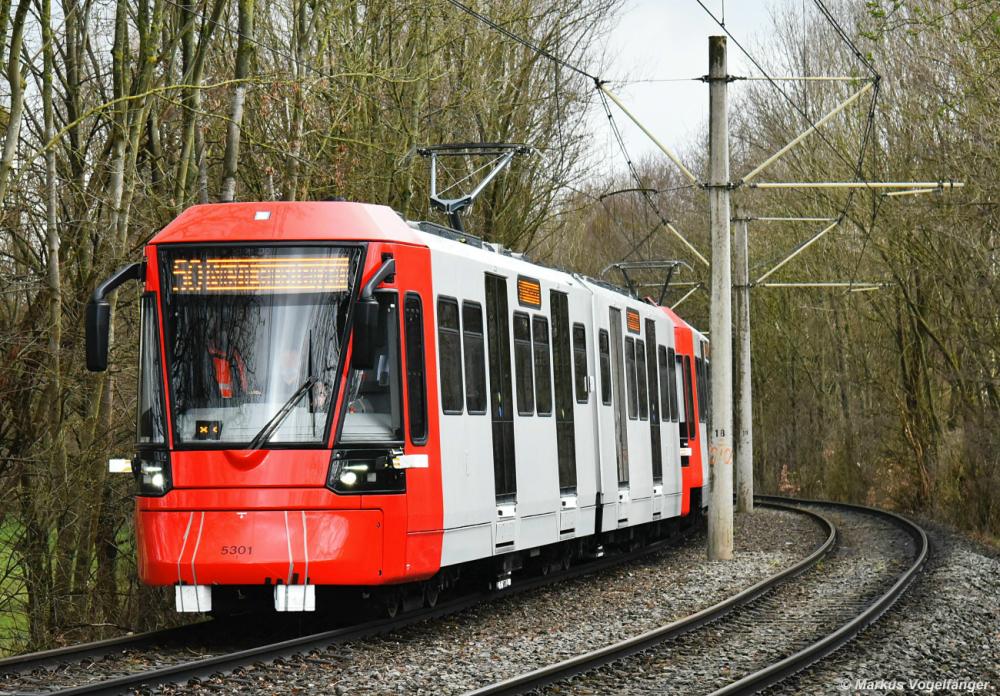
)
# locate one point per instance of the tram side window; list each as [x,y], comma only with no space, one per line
[522,365]
[580,362]
[501,393]
[150,425]
[562,370]
[672,365]
[665,383]
[700,376]
[475,358]
[653,382]
[708,391]
[633,403]
[450,355]
[688,396]
[653,387]
[543,366]
[681,402]
[416,387]
[640,360]
[373,396]
[604,346]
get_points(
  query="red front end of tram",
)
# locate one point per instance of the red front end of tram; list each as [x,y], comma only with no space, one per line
[283,422]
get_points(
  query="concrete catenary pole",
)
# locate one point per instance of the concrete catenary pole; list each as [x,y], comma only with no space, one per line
[744,403]
[720,451]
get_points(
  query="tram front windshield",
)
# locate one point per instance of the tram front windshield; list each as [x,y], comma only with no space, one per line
[254,336]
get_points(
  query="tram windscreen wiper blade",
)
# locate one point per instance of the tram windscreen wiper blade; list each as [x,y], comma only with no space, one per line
[272,425]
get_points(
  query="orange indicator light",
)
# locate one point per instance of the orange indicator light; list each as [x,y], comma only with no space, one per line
[529,292]
[632,320]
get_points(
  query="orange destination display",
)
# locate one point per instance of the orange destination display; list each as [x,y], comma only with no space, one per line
[292,274]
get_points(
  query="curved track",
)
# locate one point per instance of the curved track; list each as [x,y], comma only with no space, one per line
[613,666]
[811,654]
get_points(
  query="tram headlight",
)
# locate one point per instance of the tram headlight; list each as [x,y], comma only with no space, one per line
[364,471]
[152,472]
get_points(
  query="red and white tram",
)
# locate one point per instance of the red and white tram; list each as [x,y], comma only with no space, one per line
[330,396]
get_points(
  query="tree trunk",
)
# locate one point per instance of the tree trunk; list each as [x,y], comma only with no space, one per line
[199,139]
[16,85]
[244,50]
[194,56]
[301,34]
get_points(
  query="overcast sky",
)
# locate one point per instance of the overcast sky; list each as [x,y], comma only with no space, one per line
[664,39]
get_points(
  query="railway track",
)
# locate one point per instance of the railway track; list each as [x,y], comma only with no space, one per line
[94,650]
[178,655]
[767,632]
[137,662]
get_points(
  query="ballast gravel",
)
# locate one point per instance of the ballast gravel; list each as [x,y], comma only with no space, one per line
[508,636]
[941,637]
[869,555]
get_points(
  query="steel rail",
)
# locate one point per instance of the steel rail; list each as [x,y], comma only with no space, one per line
[602,656]
[98,648]
[767,676]
[185,671]
[778,671]
[207,666]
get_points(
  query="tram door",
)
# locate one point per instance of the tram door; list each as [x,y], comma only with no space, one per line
[618,399]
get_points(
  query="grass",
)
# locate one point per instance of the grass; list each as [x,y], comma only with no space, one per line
[14,625]
[13,594]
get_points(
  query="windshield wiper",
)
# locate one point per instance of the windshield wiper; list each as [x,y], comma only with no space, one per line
[272,425]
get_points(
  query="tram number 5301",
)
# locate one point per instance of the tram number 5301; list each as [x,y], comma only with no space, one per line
[237,550]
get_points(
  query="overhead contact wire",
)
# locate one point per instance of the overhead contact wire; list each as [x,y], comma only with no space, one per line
[521,40]
[616,131]
[846,38]
[597,82]
[776,86]
[857,166]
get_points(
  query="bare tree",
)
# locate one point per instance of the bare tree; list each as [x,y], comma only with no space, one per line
[244,51]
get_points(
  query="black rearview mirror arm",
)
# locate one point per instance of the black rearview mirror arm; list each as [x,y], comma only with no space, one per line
[387,269]
[134,271]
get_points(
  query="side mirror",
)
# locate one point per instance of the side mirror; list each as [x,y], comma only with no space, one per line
[366,314]
[365,333]
[98,325]
[98,318]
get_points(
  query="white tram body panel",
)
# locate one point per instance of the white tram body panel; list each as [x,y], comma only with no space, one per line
[477,522]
